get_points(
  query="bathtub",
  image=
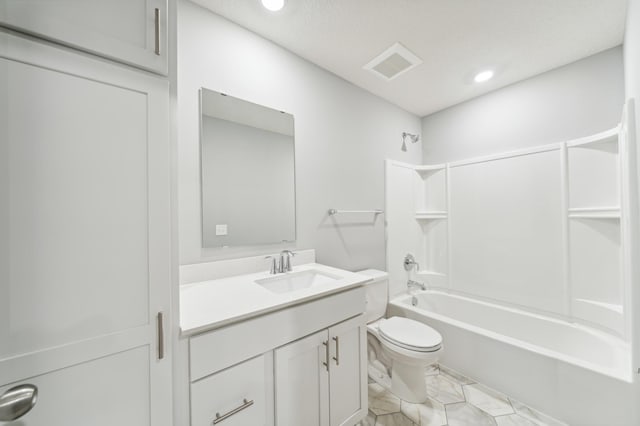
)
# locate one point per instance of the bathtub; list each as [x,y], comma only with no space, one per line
[572,372]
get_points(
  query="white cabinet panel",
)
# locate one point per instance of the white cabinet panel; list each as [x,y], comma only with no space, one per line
[302,382]
[104,392]
[85,227]
[243,392]
[131,31]
[347,374]
[77,208]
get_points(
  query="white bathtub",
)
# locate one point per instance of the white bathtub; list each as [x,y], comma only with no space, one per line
[572,372]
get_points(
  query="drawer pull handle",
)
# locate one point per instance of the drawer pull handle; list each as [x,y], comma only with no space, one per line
[337,357]
[219,418]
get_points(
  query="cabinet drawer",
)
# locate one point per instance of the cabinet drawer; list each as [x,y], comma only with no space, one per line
[238,396]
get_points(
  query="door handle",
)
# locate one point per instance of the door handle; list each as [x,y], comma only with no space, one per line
[17,401]
[160,325]
[156,23]
[337,357]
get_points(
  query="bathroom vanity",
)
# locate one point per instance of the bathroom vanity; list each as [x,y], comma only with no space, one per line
[285,349]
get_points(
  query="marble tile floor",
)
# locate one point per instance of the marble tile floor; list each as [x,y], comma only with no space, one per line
[454,400]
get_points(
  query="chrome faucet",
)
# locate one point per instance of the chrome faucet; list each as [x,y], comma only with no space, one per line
[284,265]
[285,260]
[411,283]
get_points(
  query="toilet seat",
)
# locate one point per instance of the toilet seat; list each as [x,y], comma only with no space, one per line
[409,334]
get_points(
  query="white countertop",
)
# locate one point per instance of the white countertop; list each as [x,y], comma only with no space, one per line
[212,304]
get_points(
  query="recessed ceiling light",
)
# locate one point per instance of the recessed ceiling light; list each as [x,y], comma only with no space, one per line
[273,5]
[483,76]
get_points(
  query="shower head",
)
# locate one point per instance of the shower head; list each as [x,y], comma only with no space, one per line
[413,138]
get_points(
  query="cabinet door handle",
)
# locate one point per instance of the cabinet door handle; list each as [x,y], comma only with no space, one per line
[327,356]
[337,357]
[160,325]
[219,418]
[156,21]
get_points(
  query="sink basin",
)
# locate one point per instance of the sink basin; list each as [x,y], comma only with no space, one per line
[293,281]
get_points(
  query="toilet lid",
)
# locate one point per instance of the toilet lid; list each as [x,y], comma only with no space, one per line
[410,334]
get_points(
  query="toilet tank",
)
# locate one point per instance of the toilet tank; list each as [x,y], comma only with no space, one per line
[377,294]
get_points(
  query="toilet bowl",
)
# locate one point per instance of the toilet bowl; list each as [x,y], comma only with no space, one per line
[399,349]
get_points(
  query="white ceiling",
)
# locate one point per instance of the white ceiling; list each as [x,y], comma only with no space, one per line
[454,38]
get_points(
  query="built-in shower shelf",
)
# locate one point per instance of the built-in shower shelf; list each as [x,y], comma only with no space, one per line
[428,215]
[428,169]
[595,213]
[430,191]
[609,136]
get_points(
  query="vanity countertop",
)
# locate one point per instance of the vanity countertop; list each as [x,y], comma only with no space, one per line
[208,305]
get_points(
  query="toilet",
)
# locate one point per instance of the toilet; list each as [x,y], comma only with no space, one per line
[399,349]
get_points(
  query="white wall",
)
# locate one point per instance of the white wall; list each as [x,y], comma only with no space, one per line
[343,134]
[579,99]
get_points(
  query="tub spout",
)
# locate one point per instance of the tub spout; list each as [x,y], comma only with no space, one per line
[411,283]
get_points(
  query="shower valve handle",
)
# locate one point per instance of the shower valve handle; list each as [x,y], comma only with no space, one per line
[409,262]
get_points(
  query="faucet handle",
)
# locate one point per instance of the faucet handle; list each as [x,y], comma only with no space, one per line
[285,260]
[274,264]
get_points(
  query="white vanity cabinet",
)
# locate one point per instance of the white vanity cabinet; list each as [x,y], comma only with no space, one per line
[320,380]
[129,31]
[302,365]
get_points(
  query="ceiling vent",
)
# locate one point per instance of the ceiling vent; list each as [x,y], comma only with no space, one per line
[393,62]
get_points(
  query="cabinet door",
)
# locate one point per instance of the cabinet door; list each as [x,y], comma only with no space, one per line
[130,31]
[347,373]
[302,382]
[85,240]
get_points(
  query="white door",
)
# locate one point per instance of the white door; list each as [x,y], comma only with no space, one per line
[302,382]
[130,31]
[347,373]
[84,237]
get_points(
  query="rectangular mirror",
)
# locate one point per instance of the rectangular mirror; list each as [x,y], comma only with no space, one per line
[247,172]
